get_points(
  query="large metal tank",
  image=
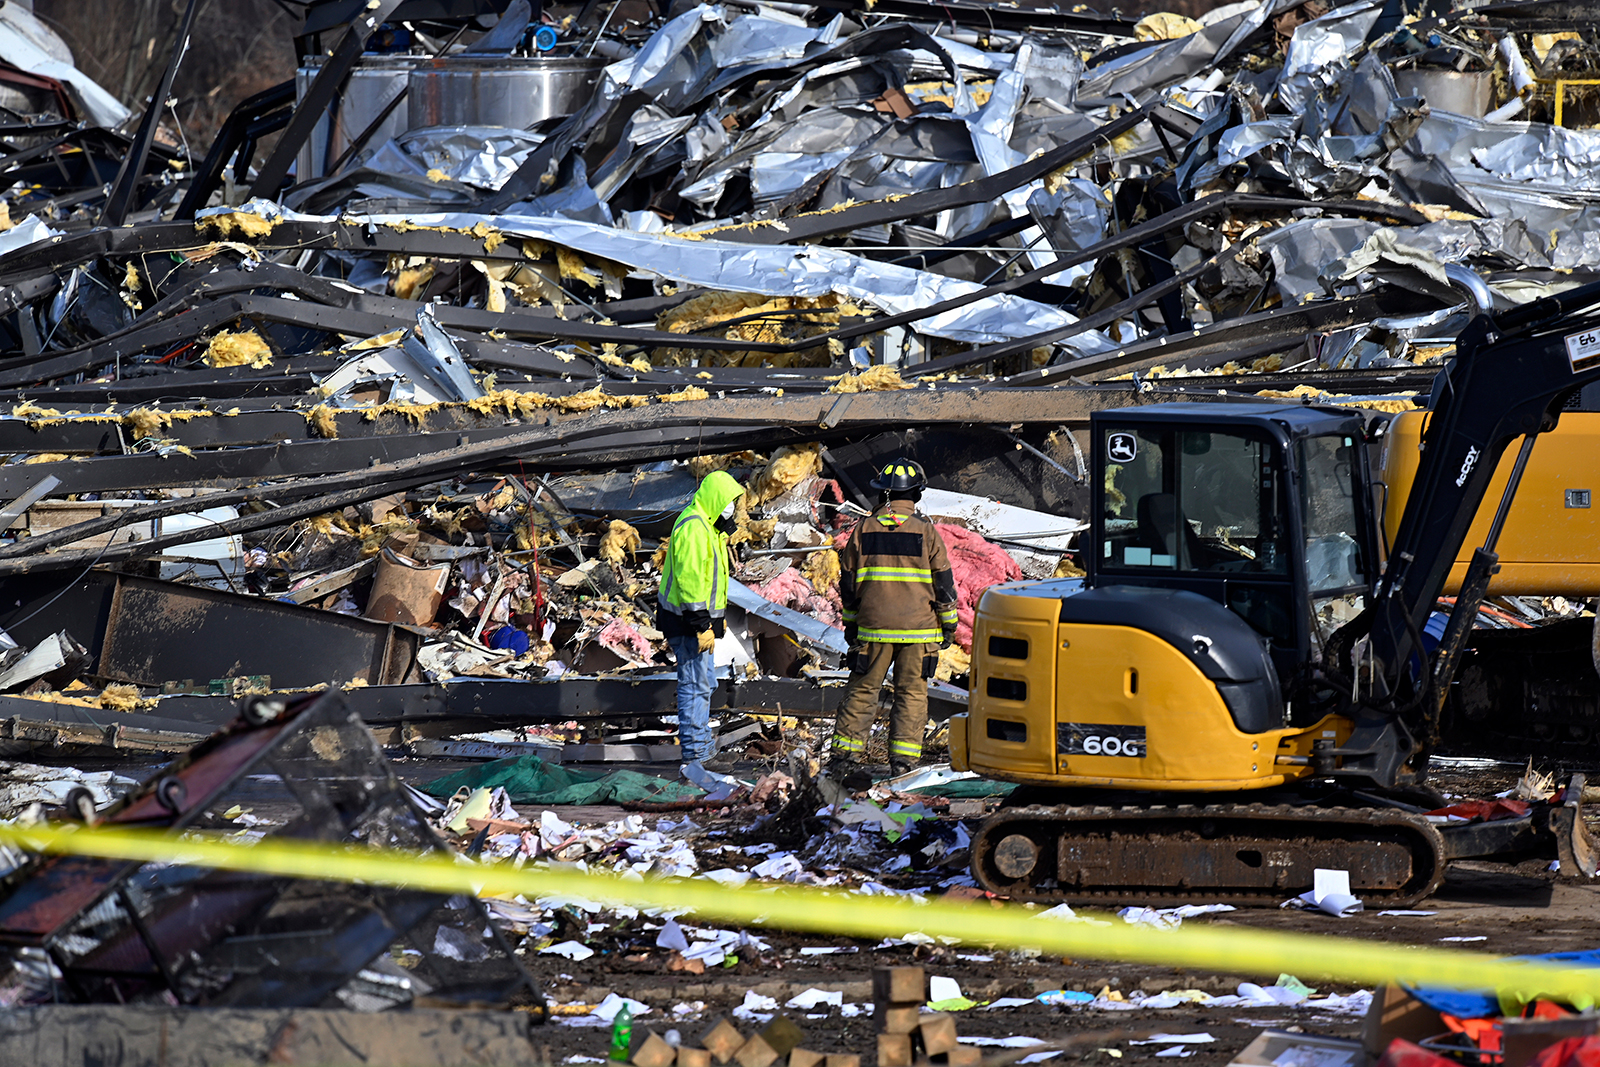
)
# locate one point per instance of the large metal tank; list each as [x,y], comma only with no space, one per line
[496,91]
[376,80]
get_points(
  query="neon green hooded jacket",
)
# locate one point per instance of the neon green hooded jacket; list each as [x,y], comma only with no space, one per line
[694,576]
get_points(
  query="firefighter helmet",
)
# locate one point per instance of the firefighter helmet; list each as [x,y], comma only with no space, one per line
[900,476]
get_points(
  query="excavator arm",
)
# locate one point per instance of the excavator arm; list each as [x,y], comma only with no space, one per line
[1510,377]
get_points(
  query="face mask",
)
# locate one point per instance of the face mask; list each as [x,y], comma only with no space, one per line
[727,512]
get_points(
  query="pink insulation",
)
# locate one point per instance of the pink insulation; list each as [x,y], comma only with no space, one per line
[791,589]
[977,565]
[625,641]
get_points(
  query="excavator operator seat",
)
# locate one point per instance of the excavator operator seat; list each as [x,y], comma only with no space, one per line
[1165,530]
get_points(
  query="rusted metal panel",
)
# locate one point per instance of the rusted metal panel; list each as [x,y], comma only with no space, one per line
[161,631]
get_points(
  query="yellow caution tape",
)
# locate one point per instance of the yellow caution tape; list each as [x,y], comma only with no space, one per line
[1229,949]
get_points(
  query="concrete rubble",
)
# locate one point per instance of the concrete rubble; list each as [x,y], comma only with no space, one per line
[393,415]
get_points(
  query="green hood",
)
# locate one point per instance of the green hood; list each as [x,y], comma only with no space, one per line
[716,492]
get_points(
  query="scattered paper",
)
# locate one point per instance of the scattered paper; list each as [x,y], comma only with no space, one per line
[813,997]
[572,950]
[1330,892]
[607,1009]
[671,936]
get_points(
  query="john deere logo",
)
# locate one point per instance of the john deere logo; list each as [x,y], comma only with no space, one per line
[1122,447]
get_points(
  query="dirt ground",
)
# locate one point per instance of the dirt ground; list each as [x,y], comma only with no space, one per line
[1523,909]
[1515,910]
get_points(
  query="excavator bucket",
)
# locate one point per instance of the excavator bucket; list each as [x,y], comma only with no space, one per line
[1579,852]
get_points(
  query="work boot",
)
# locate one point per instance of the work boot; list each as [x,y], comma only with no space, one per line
[899,766]
[849,772]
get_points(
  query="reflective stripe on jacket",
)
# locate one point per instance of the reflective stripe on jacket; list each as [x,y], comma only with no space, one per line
[896,582]
[694,575]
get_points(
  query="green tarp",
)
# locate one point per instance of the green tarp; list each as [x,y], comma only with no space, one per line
[530,780]
[965,789]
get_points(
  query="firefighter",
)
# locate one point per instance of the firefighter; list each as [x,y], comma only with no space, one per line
[899,610]
[692,600]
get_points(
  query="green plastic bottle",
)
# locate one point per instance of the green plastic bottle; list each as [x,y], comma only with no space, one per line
[621,1035]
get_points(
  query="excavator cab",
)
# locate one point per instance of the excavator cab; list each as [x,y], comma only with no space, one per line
[1227,541]
[1263,509]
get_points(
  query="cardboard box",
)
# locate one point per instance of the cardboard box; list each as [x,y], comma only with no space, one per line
[1273,1048]
[1396,1013]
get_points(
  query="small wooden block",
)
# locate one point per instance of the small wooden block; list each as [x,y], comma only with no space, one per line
[899,985]
[782,1034]
[938,1032]
[842,1059]
[960,1056]
[693,1057]
[756,1053]
[894,1050]
[653,1052]
[804,1057]
[896,1020]
[722,1041]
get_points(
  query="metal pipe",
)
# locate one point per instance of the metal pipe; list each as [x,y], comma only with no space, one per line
[1470,282]
[1510,491]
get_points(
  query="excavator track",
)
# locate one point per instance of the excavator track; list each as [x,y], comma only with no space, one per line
[1246,854]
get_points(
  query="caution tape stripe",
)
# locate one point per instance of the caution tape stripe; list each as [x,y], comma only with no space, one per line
[810,909]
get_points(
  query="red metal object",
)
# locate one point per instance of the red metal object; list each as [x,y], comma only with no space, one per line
[10,75]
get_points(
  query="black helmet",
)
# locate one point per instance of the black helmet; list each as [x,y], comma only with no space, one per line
[900,476]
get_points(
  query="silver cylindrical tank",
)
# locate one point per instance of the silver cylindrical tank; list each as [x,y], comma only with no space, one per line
[374,82]
[493,91]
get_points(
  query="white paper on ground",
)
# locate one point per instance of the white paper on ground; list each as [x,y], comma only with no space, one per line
[1330,892]
[671,936]
[607,1009]
[1008,1002]
[1175,1039]
[1406,912]
[572,950]
[1001,1042]
[813,997]
[727,876]
[941,988]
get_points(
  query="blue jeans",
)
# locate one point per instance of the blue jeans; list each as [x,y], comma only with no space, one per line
[697,675]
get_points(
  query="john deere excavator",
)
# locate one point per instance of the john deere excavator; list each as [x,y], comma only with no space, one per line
[1245,687]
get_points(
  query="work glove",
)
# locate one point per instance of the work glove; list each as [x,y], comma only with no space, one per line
[946,638]
[851,633]
[707,640]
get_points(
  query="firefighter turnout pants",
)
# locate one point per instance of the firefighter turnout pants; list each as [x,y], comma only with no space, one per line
[860,704]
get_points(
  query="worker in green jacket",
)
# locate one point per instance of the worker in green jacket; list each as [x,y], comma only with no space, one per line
[692,600]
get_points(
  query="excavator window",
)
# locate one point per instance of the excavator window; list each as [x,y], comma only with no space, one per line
[1328,506]
[1191,501]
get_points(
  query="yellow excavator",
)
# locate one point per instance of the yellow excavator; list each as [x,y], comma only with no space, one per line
[1248,684]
